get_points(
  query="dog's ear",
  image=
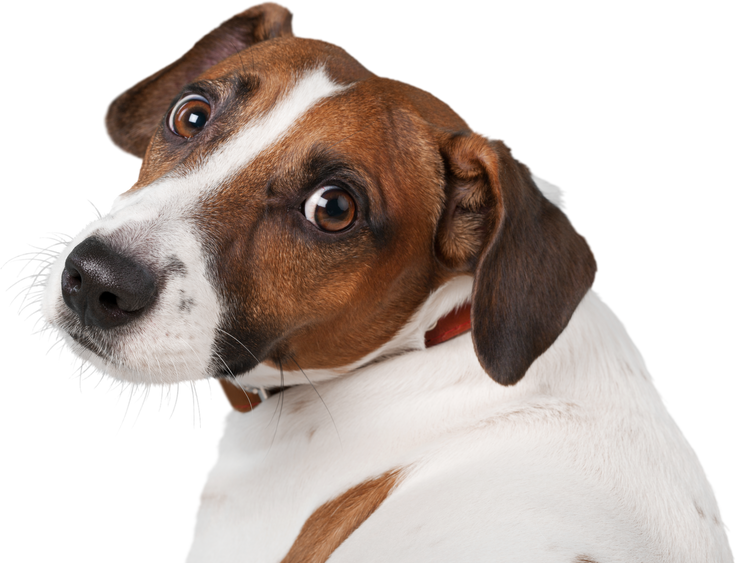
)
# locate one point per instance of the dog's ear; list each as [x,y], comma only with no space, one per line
[133,117]
[531,268]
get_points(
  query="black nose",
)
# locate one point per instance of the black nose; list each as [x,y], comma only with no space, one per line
[103,287]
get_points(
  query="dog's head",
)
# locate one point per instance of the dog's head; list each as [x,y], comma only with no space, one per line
[294,210]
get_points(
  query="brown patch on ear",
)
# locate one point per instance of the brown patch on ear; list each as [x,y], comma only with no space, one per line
[333,522]
[531,268]
[134,116]
[472,210]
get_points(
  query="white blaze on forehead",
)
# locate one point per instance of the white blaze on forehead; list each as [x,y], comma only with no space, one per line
[261,133]
[188,186]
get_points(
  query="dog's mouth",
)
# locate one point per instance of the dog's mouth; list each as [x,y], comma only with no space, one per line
[83,339]
[86,342]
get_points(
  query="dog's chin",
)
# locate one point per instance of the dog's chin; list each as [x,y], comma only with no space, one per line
[93,355]
[102,353]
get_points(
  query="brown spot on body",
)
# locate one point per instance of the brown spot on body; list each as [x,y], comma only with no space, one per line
[584,559]
[333,522]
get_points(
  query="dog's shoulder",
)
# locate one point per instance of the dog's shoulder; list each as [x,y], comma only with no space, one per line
[570,452]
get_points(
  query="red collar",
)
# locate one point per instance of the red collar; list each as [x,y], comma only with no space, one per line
[451,325]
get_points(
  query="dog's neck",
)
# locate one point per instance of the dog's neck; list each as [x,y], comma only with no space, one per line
[447,327]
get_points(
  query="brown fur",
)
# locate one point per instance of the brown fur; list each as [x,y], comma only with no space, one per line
[333,522]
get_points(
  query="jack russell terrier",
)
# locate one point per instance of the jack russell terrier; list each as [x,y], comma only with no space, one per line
[402,295]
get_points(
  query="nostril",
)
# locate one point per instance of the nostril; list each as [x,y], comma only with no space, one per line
[109,301]
[73,274]
[71,279]
[116,304]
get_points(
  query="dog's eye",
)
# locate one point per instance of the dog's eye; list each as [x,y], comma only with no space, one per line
[189,116]
[331,208]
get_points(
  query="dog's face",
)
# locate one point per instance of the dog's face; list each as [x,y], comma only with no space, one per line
[294,210]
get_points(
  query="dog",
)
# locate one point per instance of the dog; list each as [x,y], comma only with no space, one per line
[400,292]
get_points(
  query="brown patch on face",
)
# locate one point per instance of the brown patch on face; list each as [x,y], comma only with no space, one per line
[333,522]
[302,298]
[584,559]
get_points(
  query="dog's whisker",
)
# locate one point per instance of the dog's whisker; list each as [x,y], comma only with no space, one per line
[278,400]
[279,407]
[226,333]
[314,388]
[233,379]
[224,363]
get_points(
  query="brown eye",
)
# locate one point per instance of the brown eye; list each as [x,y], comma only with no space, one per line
[189,116]
[331,208]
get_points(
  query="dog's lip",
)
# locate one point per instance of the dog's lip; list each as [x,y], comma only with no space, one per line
[88,343]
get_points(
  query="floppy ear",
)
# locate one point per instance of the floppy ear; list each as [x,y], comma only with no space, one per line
[133,117]
[531,267]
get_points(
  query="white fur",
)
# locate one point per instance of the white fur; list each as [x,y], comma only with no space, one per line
[579,459]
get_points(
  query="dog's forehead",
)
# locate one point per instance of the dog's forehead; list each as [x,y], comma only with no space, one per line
[283,99]
[279,60]
[259,94]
